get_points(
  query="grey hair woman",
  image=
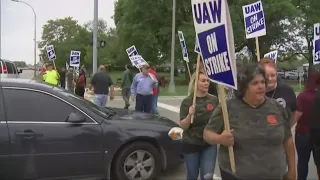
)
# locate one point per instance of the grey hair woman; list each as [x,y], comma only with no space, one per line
[261,133]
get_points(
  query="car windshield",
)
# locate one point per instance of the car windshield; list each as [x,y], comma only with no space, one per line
[104,112]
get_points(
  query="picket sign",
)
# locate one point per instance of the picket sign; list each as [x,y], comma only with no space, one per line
[254,22]
[137,61]
[216,46]
[272,55]
[184,50]
[51,54]
[316,43]
[132,51]
[75,57]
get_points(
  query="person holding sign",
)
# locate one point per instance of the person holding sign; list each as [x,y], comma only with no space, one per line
[198,154]
[261,137]
[142,87]
[51,76]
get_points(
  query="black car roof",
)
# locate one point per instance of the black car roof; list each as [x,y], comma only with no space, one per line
[26,83]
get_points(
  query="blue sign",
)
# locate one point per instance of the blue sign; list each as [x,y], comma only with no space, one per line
[137,61]
[211,21]
[255,25]
[316,58]
[50,52]
[132,51]
[272,55]
[183,46]
[75,58]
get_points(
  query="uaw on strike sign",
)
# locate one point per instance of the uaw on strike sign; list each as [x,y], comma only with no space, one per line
[75,58]
[215,40]
[255,24]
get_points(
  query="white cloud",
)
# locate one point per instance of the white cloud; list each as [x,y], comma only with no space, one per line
[17,22]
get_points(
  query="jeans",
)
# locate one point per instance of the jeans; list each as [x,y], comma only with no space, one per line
[315,138]
[204,161]
[155,104]
[100,100]
[304,148]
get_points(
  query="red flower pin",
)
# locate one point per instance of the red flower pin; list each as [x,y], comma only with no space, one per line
[210,107]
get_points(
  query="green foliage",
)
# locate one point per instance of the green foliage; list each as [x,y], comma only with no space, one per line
[66,35]
[147,25]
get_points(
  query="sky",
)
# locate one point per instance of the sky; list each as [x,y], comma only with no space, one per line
[17,22]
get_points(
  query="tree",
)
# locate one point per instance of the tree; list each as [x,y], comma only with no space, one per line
[147,24]
[65,35]
[309,14]
[106,54]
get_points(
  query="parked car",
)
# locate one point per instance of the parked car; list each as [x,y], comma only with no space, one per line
[281,74]
[49,133]
[290,75]
[8,69]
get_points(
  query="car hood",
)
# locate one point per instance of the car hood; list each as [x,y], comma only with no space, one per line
[125,114]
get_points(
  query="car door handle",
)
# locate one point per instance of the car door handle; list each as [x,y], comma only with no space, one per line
[28,134]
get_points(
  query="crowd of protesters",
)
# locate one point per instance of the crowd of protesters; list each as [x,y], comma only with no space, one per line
[262,113]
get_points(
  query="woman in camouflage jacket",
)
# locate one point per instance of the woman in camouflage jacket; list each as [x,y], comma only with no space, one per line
[198,154]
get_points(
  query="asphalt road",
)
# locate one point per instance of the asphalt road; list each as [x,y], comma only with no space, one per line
[26,74]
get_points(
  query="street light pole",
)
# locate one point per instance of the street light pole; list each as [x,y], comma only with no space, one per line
[0,29]
[95,38]
[35,36]
[172,88]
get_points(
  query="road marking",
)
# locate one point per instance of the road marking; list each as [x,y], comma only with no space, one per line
[169,107]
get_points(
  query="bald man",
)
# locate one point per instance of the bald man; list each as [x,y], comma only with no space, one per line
[102,83]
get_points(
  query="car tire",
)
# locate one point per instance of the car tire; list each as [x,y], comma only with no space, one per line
[127,155]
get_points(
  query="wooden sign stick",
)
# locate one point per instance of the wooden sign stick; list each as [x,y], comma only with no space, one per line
[195,85]
[258,49]
[188,70]
[54,65]
[223,102]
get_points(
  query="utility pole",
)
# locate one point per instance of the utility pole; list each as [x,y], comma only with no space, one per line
[0,28]
[34,34]
[172,88]
[95,37]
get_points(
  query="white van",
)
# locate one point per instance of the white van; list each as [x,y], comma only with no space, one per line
[8,69]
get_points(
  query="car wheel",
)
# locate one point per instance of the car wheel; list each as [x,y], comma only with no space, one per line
[140,160]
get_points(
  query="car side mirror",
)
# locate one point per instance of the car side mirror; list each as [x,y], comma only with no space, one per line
[75,118]
[20,71]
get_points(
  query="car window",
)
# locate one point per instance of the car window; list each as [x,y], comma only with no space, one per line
[103,112]
[9,68]
[27,105]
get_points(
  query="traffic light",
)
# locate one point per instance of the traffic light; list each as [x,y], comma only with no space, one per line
[102,43]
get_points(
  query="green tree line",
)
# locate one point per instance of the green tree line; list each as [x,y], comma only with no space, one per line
[147,25]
